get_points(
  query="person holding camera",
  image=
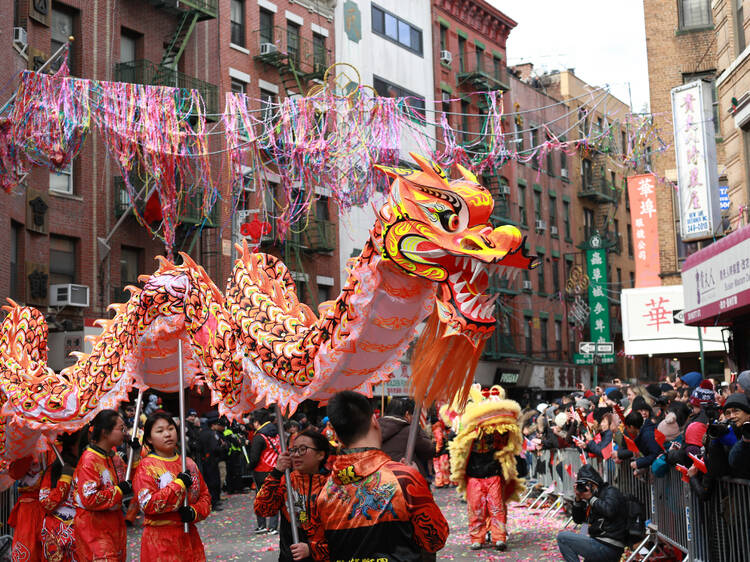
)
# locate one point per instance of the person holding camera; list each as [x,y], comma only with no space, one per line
[604,508]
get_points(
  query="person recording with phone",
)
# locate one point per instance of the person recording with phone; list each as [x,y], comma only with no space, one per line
[604,508]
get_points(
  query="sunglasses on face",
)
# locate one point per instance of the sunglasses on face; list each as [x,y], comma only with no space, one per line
[301,450]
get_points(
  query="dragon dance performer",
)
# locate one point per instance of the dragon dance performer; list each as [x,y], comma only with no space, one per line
[441,462]
[160,486]
[56,499]
[26,516]
[307,455]
[483,463]
[99,486]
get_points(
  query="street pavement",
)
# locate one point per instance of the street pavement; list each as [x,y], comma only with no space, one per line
[228,535]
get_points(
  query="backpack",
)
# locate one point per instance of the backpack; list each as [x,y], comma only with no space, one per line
[636,520]
[270,453]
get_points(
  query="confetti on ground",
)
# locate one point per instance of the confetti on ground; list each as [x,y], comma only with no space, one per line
[228,535]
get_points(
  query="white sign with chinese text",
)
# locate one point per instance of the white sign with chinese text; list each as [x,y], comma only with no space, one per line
[695,149]
[649,327]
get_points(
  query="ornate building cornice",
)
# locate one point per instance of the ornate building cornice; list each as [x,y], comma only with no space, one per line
[479,16]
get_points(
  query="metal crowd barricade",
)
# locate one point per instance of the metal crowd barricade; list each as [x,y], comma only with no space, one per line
[724,531]
[7,501]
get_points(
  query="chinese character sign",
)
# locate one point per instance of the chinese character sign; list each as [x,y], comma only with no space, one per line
[645,229]
[695,148]
[598,300]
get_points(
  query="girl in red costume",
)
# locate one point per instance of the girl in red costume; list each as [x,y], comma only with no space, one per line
[56,499]
[27,514]
[160,486]
[307,455]
[99,486]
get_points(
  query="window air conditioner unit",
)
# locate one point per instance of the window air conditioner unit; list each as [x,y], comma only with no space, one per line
[564,173]
[540,226]
[446,57]
[527,286]
[19,36]
[553,230]
[268,49]
[69,295]
[503,190]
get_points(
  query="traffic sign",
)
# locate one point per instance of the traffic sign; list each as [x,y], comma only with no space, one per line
[599,348]
[588,358]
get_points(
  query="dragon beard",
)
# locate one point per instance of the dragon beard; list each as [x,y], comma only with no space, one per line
[443,362]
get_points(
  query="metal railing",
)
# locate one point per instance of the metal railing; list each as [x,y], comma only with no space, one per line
[707,531]
[482,71]
[147,72]
[280,46]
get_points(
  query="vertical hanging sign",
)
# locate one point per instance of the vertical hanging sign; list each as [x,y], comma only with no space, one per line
[695,149]
[596,261]
[645,232]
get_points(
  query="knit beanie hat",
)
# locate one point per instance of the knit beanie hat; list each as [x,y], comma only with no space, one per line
[704,394]
[561,419]
[692,379]
[615,395]
[694,433]
[639,403]
[654,390]
[669,427]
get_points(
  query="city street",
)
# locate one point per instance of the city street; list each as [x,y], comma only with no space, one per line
[228,534]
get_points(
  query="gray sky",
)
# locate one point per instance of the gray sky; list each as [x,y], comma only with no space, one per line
[604,40]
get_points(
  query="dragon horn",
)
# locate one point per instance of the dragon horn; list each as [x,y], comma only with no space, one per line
[467,174]
[432,169]
[187,260]
[164,264]
[11,302]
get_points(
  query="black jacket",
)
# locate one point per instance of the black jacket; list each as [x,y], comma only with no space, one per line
[259,444]
[395,432]
[647,445]
[607,516]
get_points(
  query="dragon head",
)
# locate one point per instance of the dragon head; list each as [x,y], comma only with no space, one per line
[439,230]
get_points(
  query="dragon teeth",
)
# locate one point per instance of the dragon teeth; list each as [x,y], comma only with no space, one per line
[455,277]
[459,286]
[461,297]
[472,302]
[477,270]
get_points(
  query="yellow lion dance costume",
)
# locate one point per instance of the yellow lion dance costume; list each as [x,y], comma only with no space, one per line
[483,463]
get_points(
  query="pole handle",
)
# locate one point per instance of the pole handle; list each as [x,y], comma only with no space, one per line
[413,428]
[289,496]
[186,527]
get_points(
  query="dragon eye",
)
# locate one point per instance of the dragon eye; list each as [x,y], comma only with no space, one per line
[449,220]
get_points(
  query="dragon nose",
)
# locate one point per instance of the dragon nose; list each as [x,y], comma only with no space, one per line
[505,237]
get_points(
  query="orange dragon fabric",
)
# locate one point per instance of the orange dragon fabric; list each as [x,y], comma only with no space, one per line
[373,507]
[160,495]
[59,511]
[26,516]
[99,526]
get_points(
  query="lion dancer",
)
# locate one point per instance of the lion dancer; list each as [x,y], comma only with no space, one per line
[441,461]
[27,515]
[483,463]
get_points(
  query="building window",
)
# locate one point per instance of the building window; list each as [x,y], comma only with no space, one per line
[739,22]
[619,278]
[630,240]
[238,86]
[443,38]
[479,52]
[497,67]
[61,28]
[397,30]
[694,13]
[527,334]
[558,338]
[588,223]
[130,268]
[555,276]
[632,279]
[292,42]
[266,26]
[552,212]
[465,121]
[566,219]
[550,160]
[534,144]
[623,143]
[391,90]
[461,54]
[540,270]
[16,235]
[62,181]
[522,205]
[587,174]
[237,22]
[128,46]
[563,161]
[543,327]
[268,103]
[320,58]
[62,260]
[519,137]
[571,338]
[537,205]
[324,293]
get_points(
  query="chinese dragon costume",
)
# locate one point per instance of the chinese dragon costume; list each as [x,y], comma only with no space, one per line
[483,463]
[429,257]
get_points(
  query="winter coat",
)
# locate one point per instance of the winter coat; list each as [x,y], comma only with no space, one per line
[375,508]
[395,433]
[259,444]
[647,445]
[605,512]
[596,448]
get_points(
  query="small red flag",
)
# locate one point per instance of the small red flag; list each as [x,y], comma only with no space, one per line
[660,438]
[525,445]
[683,471]
[607,451]
[583,458]
[700,465]
[631,445]
[569,470]
[598,438]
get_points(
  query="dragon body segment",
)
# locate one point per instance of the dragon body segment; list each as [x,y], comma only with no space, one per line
[430,256]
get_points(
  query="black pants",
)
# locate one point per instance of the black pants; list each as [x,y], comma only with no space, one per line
[234,473]
[212,477]
[267,522]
